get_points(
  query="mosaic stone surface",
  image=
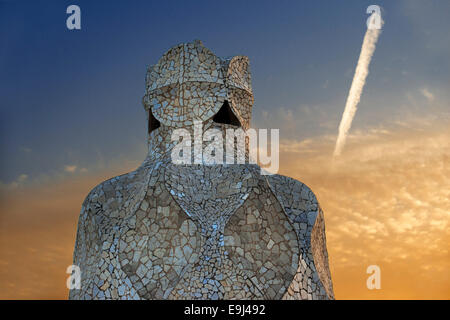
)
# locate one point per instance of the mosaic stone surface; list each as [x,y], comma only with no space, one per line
[200,231]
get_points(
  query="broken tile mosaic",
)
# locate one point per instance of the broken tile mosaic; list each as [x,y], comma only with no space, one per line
[168,231]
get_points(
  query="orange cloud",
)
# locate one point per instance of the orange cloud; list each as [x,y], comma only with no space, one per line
[386,202]
[37,235]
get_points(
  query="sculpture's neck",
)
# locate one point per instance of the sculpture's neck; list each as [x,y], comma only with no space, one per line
[199,139]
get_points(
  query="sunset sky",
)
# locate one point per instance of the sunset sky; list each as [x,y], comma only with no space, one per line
[71,116]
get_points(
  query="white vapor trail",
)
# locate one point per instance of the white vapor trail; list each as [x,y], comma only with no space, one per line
[359,79]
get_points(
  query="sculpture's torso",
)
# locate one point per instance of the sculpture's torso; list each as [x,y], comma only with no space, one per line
[201,232]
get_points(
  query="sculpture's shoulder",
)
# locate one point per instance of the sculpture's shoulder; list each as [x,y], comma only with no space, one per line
[295,196]
[110,197]
[303,209]
[100,214]
[299,203]
[104,205]
[301,206]
[103,202]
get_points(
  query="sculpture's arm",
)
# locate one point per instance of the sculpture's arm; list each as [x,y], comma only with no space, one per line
[87,244]
[320,253]
[304,211]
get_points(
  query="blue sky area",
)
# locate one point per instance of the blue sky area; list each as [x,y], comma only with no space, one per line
[73,97]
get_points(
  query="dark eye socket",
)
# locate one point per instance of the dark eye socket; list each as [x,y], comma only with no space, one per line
[225,115]
[153,123]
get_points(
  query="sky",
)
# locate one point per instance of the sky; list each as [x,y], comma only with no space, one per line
[71,116]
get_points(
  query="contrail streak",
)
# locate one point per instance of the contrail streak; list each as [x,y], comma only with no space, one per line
[359,79]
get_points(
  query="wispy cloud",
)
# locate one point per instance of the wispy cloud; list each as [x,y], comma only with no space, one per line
[427,94]
[18,182]
[70,168]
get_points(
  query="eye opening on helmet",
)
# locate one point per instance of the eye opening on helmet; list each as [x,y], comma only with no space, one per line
[226,116]
[153,123]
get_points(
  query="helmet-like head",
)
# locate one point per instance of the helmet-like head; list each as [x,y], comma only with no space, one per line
[190,83]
